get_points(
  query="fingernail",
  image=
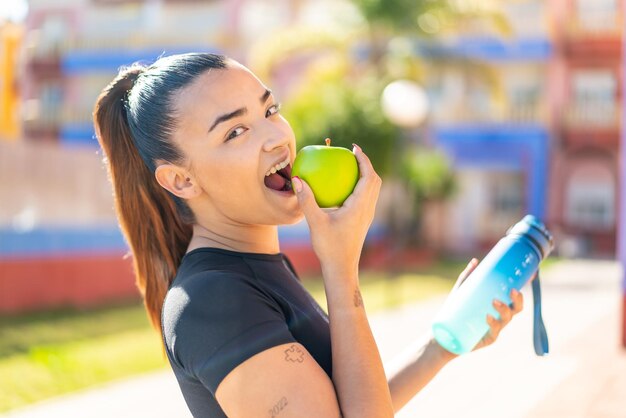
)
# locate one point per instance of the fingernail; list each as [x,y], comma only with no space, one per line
[496,302]
[296,184]
[474,261]
[355,147]
[514,292]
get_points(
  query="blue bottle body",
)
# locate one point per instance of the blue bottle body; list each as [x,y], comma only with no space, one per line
[462,321]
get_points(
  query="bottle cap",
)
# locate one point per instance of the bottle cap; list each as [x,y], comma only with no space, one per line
[533,229]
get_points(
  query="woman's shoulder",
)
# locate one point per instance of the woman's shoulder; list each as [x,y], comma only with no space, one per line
[202,299]
[213,294]
[206,310]
[207,286]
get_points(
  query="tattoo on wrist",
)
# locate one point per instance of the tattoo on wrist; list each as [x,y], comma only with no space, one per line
[277,409]
[358,299]
[294,354]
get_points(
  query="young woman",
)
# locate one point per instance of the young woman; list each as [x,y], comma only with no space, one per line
[200,161]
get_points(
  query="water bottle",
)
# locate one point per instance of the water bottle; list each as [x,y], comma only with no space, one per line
[462,321]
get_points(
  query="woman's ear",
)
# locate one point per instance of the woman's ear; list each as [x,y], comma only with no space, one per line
[177,181]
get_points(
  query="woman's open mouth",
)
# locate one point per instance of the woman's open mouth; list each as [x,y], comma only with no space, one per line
[280,180]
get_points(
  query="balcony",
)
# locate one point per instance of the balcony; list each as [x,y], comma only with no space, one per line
[592,38]
[41,116]
[44,66]
[589,123]
[42,56]
[487,48]
[494,115]
[41,132]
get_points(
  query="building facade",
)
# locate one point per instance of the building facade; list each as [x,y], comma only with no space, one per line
[59,239]
[529,119]
[75,47]
[587,125]
[532,125]
[490,113]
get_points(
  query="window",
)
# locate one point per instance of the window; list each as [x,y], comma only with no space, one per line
[49,104]
[507,194]
[527,18]
[590,197]
[597,14]
[506,200]
[594,97]
[54,31]
[594,85]
[524,87]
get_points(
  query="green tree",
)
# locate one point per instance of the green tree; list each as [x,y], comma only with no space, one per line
[331,105]
[394,25]
[428,17]
[427,176]
[339,99]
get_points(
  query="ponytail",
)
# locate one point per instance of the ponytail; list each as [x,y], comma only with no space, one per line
[134,119]
[148,216]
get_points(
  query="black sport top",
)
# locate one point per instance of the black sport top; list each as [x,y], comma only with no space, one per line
[224,307]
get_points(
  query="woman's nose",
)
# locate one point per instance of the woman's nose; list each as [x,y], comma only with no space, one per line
[274,137]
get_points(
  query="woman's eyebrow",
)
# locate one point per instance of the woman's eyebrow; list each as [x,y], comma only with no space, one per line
[266,95]
[228,116]
[239,112]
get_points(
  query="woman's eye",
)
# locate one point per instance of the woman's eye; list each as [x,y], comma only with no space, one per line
[272,110]
[235,132]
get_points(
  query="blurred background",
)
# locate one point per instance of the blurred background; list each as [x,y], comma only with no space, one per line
[474,112]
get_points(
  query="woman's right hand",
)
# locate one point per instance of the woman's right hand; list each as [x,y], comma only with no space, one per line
[338,235]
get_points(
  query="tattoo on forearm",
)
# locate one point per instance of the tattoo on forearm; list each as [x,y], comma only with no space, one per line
[294,354]
[358,299]
[276,409]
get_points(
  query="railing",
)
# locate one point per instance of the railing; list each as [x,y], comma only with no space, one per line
[608,26]
[592,115]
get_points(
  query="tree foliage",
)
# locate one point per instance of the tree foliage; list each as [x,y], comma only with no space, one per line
[397,14]
[329,104]
[428,173]
[340,99]
[429,17]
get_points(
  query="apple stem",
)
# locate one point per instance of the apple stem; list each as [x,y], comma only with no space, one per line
[328,142]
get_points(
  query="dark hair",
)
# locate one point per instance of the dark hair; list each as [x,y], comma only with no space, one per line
[134,119]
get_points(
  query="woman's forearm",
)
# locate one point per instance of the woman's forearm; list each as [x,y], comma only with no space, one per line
[358,373]
[414,369]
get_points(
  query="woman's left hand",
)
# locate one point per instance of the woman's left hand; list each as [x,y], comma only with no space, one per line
[506,312]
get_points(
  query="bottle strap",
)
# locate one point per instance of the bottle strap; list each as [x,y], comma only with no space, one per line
[540,336]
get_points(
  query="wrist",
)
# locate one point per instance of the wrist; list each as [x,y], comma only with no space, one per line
[342,290]
[343,273]
[439,353]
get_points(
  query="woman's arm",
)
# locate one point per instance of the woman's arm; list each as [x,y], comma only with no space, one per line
[337,237]
[421,362]
[413,370]
[286,382]
[358,373]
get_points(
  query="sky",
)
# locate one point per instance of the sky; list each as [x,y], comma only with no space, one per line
[14,10]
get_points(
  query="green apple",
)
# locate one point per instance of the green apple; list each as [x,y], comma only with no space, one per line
[331,172]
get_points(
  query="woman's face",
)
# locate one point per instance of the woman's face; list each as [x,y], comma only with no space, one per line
[232,134]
